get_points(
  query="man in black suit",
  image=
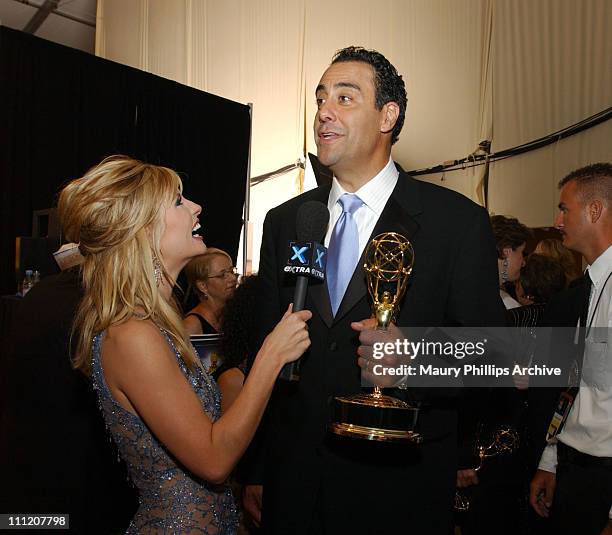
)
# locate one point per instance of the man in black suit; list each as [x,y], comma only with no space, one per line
[315,482]
[55,453]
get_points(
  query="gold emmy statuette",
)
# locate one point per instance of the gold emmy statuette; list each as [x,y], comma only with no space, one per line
[504,442]
[389,258]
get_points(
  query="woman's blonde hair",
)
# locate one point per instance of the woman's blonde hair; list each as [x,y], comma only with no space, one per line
[116,215]
[198,268]
[555,249]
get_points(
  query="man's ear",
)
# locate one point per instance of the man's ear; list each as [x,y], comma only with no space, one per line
[595,210]
[390,114]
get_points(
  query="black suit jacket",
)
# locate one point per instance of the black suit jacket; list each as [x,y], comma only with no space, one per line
[315,482]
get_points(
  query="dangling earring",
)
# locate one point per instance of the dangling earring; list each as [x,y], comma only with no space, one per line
[157,270]
[504,273]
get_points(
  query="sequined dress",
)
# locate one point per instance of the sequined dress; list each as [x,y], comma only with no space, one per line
[172,500]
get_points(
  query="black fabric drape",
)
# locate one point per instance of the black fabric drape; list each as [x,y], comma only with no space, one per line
[64,110]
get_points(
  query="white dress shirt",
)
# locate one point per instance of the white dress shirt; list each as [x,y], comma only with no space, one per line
[508,300]
[374,194]
[589,424]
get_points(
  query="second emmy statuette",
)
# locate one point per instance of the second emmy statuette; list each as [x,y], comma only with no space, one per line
[504,441]
[389,258]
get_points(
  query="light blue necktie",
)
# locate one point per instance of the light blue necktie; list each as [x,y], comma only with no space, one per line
[343,250]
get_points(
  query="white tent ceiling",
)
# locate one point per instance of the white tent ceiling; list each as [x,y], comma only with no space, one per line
[68,22]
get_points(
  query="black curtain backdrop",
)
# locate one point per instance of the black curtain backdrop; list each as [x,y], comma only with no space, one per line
[64,110]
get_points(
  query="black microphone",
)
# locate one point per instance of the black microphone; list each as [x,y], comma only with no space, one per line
[307,258]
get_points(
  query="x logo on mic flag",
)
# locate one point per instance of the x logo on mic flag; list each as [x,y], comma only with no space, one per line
[319,259]
[299,253]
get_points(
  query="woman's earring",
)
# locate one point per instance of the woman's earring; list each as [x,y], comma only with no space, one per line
[504,273]
[157,270]
[200,287]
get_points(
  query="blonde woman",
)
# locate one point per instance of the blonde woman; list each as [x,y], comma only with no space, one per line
[136,232]
[213,277]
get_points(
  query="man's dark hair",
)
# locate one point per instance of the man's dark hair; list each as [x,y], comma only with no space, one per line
[388,83]
[541,278]
[594,182]
[508,232]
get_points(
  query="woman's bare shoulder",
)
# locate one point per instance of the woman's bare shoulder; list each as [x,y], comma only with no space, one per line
[192,324]
[135,340]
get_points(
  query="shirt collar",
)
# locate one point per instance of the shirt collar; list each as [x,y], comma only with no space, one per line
[600,269]
[374,193]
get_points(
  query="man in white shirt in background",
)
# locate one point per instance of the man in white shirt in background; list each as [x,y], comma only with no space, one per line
[573,482]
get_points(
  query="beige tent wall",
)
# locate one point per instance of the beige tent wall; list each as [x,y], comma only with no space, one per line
[552,68]
[506,70]
[244,50]
[436,45]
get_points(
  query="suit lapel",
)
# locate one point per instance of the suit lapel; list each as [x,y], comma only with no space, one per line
[397,216]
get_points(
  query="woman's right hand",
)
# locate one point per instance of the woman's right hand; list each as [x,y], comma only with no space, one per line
[289,339]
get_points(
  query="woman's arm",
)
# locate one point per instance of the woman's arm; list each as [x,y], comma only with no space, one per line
[144,377]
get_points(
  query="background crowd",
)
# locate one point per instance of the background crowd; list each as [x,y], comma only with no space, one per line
[182,431]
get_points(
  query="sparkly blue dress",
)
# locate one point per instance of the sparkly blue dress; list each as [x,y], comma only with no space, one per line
[172,500]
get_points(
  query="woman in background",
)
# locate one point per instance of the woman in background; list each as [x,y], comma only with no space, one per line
[213,277]
[510,238]
[136,232]
[540,279]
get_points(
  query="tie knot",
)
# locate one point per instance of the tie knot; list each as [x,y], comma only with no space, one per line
[350,203]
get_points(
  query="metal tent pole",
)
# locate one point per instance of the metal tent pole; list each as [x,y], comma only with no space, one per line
[247,200]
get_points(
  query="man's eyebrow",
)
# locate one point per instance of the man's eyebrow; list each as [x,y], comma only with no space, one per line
[350,85]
